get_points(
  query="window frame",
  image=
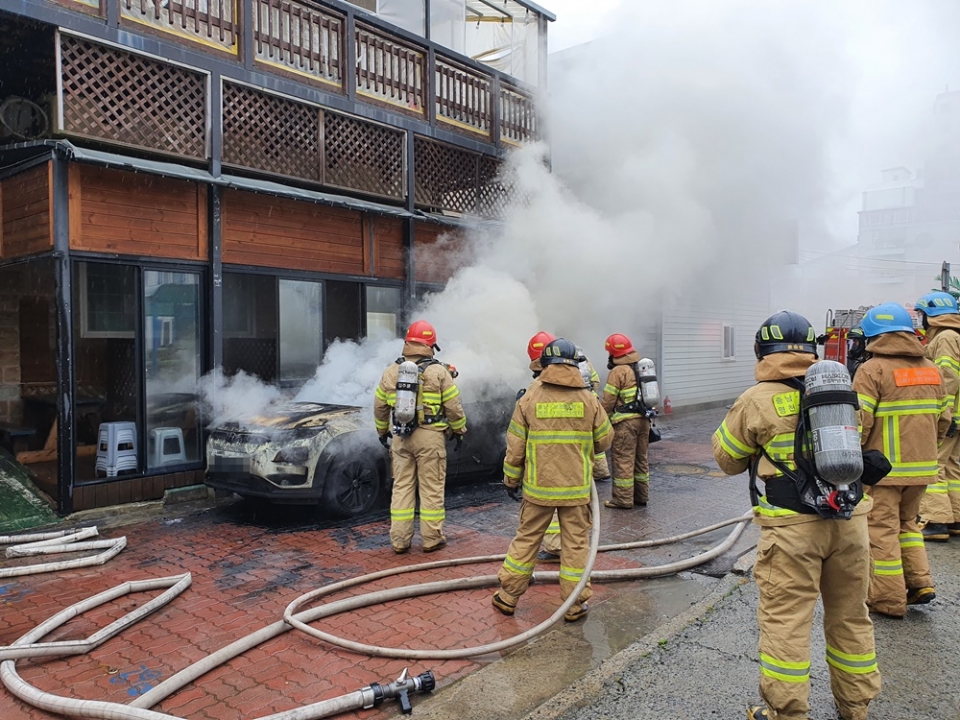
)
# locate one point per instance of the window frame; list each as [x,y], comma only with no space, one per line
[728,330]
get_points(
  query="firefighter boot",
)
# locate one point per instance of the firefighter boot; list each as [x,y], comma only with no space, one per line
[920,596]
[757,712]
[954,528]
[500,602]
[548,557]
[935,532]
[576,612]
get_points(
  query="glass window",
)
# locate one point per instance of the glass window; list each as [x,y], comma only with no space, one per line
[729,348]
[171,347]
[250,325]
[300,329]
[383,311]
[106,372]
[407,14]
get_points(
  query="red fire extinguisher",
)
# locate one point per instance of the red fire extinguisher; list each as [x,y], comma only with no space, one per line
[667,407]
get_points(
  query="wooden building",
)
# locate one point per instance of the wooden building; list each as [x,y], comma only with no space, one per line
[188,185]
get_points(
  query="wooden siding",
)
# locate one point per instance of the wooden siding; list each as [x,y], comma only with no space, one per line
[388,248]
[267,231]
[122,491]
[438,252]
[26,220]
[137,214]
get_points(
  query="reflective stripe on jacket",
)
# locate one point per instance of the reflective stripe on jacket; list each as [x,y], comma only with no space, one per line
[903,407]
[621,387]
[943,347]
[556,429]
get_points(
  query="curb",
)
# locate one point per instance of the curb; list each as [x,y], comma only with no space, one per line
[590,685]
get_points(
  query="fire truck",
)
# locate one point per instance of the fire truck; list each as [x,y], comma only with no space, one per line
[838,325]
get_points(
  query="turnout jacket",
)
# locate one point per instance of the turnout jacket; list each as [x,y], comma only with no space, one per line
[765,416]
[903,407]
[621,387]
[943,348]
[438,393]
[556,429]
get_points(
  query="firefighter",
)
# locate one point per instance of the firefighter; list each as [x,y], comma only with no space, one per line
[556,426]
[601,471]
[800,555]
[418,452]
[902,414]
[940,506]
[631,423]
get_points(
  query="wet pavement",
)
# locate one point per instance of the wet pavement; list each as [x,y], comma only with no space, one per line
[249,560]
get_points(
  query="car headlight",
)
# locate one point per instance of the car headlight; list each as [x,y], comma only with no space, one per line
[293,456]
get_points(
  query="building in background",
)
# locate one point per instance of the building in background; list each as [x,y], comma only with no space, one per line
[186,186]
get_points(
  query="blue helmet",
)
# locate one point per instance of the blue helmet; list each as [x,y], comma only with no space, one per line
[937,303]
[889,317]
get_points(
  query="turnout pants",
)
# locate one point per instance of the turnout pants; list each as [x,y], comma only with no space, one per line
[896,547]
[517,571]
[941,501]
[631,470]
[796,564]
[419,463]
[551,540]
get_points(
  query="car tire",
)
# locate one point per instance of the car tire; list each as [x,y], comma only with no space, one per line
[353,486]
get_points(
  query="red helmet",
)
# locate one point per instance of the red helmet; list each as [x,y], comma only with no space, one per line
[618,345]
[537,343]
[422,332]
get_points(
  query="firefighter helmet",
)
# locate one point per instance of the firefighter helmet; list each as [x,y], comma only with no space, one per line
[886,318]
[937,303]
[537,343]
[785,332]
[559,352]
[422,332]
[618,345]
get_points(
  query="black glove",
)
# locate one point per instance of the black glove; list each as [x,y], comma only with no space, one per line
[875,467]
[385,440]
[457,442]
[952,430]
[515,493]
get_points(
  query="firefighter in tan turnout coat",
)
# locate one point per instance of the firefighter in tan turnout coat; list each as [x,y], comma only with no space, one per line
[940,506]
[903,412]
[557,428]
[800,555]
[419,459]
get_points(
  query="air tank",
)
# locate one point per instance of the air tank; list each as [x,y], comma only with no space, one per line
[408,383]
[584,369]
[649,388]
[836,437]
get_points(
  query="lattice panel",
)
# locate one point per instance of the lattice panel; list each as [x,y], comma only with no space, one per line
[125,98]
[363,156]
[212,22]
[446,176]
[299,37]
[269,133]
[496,188]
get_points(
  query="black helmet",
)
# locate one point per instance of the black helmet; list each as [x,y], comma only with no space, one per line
[559,352]
[785,332]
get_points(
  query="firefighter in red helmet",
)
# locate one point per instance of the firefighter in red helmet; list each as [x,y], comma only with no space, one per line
[418,397]
[631,424]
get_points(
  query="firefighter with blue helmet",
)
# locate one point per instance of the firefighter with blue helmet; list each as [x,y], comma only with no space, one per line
[903,412]
[801,556]
[940,507]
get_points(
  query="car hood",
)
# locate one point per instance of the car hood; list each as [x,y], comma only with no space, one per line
[294,415]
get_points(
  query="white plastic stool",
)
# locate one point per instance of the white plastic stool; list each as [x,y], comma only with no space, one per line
[166,447]
[117,448]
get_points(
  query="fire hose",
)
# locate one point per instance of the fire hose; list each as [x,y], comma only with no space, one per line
[29,646]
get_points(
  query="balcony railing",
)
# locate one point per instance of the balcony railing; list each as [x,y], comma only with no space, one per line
[518,116]
[299,38]
[389,70]
[463,97]
[212,22]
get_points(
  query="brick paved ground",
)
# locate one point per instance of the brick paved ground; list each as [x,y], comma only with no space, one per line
[248,563]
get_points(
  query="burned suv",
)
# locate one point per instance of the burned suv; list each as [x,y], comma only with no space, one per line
[306,452]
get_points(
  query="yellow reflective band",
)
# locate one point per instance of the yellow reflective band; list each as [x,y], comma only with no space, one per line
[948,362]
[401,515]
[911,540]
[602,431]
[867,403]
[594,377]
[765,509]
[450,393]
[939,488]
[610,389]
[517,568]
[381,424]
[954,485]
[512,471]
[641,477]
[381,394]
[887,408]
[855,664]
[787,403]
[559,410]
[435,515]
[791,672]
[560,436]
[913,469]
[623,482]
[887,567]
[553,528]
[517,429]
[457,424]
[731,445]
[571,574]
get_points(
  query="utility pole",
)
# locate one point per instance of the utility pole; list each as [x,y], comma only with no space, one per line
[945,277]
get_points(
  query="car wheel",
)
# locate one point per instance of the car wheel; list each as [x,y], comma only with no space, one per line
[353,486]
